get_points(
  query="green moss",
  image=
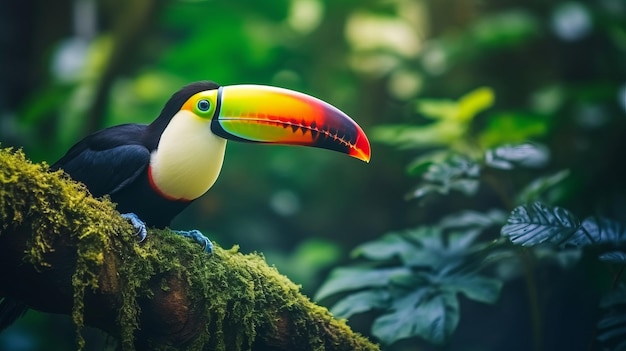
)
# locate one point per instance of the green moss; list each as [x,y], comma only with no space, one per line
[56,208]
[239,296]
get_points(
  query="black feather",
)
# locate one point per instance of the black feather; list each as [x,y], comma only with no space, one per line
[108,160]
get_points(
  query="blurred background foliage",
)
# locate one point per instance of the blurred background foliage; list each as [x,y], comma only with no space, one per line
[425,78]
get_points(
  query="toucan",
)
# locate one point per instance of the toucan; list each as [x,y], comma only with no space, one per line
[155,171]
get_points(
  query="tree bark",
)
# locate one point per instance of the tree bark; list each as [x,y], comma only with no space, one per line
[63,251]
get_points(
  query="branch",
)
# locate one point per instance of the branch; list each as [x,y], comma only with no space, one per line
[62,251]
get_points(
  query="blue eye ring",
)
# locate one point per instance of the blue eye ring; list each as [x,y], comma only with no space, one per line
[204,105]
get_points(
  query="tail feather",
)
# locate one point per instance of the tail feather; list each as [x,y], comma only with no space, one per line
[10,311]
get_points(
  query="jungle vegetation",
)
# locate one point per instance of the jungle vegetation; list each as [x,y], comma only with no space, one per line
[492,214]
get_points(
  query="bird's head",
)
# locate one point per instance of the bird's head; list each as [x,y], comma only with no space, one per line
[189,136]
[265,114]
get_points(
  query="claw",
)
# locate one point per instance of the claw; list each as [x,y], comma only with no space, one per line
[139,225]
[198,237]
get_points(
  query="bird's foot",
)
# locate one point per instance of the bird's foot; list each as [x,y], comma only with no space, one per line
[139,225]
[198,237]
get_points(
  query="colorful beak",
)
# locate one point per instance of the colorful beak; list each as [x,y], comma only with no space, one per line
[264,114]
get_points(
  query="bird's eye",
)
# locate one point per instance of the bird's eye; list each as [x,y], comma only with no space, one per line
[204,105]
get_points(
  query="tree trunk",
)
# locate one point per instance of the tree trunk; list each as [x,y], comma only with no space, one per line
[63,251]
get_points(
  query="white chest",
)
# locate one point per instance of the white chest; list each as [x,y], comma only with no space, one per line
[188,159]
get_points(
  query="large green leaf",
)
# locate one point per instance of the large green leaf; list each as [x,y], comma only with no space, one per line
[437,108]
[474,287]
[425,313]
[538,188]
[414,278]
[346,279]
[451,122]
[599,230]
[360,302]
[387,247]
[534,224]
[420,247]
[445,254]
[474,102]
[463,111]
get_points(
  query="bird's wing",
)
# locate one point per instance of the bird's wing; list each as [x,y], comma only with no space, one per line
[108,160]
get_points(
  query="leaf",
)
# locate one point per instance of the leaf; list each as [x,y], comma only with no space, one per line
[421,164]
[424,190]
[419,298]
[466,186]
[360,302]
[530,225]
[612,326]
[455,167]
[456,173]
[534,190]
[451,122]
[475,287]
[419,247]
[462,111]
[509,156]
[424,246]
[599,230]
[346,279]
[475,102]
[437,109]
[427,250]
[473,219]
[387,247]
[436,134]
[613,257]
[430,315]
[512,127]
[440,252]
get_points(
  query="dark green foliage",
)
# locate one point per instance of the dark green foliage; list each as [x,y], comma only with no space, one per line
[536,224]
[612,326]
[456,173]
[414,278]
[555,134]
[540,188]
[520,155]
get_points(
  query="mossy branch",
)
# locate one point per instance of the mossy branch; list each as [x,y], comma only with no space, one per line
[63,251]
